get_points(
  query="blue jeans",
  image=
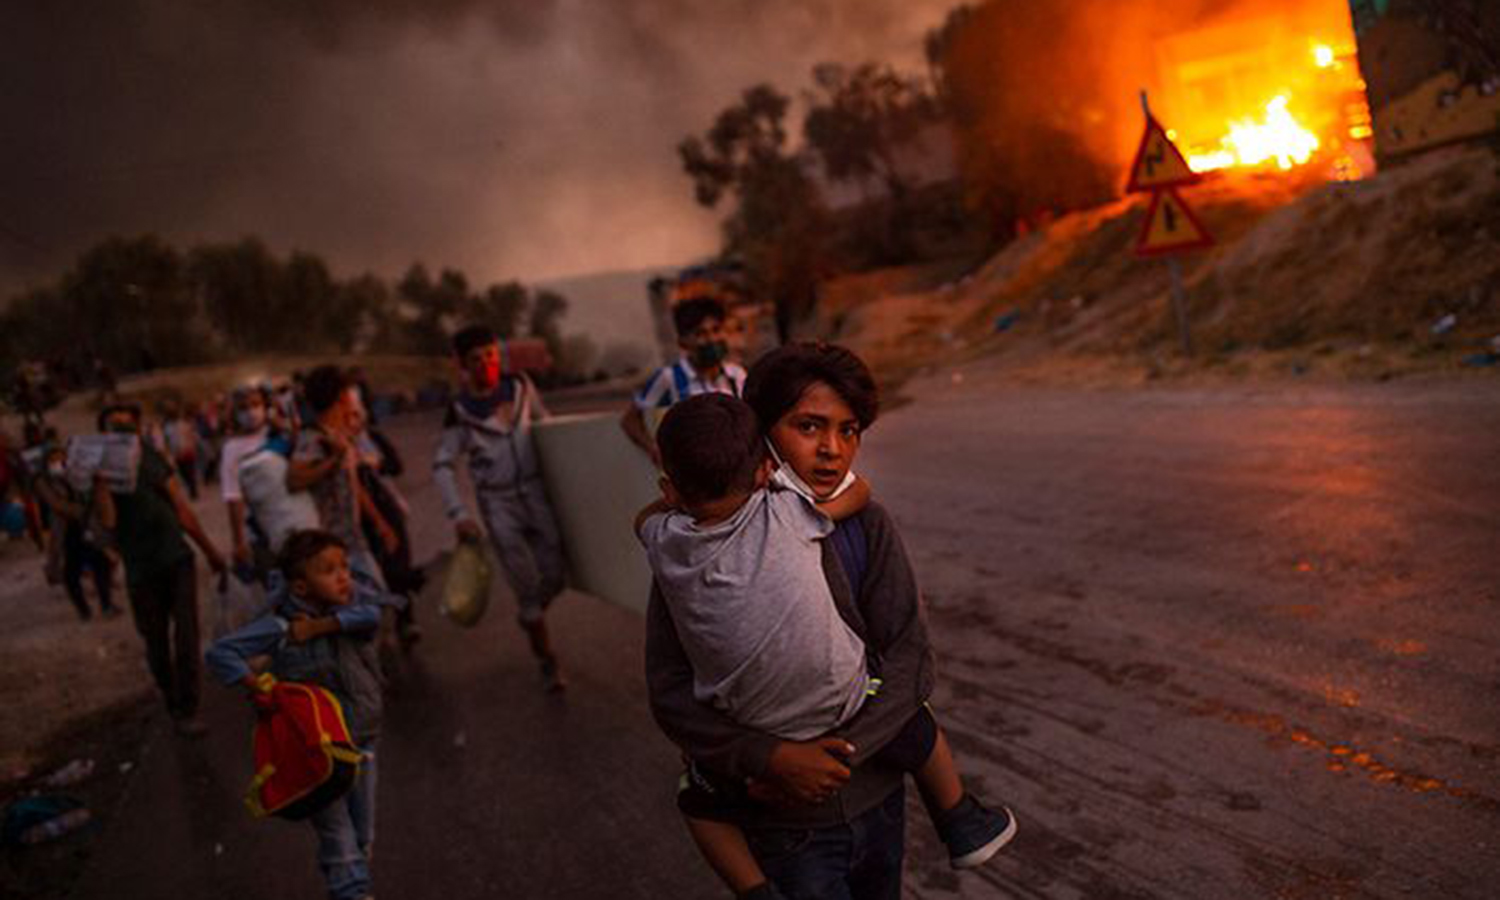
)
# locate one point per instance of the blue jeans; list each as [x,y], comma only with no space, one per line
[346,833]
[860,860]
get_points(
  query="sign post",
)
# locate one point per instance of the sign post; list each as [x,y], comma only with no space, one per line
[1170,227]
[1179,303]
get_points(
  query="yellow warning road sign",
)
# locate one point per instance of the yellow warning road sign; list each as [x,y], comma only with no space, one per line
[1171,227]
[1158,162]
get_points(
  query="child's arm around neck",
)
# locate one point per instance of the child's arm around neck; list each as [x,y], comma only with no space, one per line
[849,503]
[656,507]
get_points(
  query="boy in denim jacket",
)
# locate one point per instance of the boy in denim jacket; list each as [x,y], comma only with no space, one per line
[321,631]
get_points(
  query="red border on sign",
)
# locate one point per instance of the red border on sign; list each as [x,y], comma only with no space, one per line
[1207,240]
[1134,187]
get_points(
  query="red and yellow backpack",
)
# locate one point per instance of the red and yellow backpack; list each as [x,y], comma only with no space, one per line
[304,758]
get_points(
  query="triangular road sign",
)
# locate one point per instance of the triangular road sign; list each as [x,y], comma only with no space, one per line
[1158,162]
[1171,227]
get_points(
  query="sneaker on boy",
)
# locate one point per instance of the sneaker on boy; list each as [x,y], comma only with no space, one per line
[973,833]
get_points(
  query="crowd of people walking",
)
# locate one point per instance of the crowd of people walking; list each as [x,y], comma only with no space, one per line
[787,653]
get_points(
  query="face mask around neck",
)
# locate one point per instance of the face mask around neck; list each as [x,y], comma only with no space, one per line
[706,356]
[785,477]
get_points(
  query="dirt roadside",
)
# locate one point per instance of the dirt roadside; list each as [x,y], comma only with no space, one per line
[74,691]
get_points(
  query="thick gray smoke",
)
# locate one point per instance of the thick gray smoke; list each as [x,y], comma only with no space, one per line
[525,138]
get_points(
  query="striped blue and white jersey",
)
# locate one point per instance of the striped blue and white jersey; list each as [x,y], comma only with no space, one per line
[680,380]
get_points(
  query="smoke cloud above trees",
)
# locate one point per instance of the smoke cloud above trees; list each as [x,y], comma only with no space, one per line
[525,139]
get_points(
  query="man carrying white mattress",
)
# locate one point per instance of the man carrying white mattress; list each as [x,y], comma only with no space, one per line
[490,426]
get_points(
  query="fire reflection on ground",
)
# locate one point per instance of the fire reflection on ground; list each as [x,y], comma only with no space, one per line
[1342,757]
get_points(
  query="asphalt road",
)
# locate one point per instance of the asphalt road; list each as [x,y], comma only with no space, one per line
[1206,643]
[1215,643]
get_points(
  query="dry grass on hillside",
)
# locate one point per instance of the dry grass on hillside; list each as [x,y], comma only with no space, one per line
[1353,275]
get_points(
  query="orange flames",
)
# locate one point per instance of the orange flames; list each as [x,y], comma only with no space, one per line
[1277,138]
[1256,97]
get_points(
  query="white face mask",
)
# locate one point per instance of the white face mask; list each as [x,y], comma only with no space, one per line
[57,470]
[788,479]
[251,417]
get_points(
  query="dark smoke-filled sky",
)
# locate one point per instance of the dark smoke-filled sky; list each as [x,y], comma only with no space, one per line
[513,138]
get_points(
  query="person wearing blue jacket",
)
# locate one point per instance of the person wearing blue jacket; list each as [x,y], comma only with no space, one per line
[321,631]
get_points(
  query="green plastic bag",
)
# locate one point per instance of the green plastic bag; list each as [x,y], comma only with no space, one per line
[466,589]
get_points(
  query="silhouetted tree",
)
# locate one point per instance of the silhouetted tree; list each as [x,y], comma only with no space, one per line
[239,286]
[133,297]
[779,225]
[547,310]
[434,306]
[746,137]
[1020,130]
[377,322]
[502,307]
[858,121]
[136,303]
[315,309]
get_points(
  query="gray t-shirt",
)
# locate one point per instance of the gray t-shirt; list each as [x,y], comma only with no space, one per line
[755,615]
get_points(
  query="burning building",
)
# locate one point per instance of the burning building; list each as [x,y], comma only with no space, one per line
[1320,84]
[1276,89]
[1044,105]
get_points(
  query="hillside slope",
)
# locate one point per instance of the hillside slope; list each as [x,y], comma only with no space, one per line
[1348,277]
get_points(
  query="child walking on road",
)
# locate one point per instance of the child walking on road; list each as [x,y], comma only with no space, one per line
[322,632]
[490,426]
[738,562]
[74,533]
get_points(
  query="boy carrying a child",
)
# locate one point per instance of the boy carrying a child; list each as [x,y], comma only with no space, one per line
[738,562]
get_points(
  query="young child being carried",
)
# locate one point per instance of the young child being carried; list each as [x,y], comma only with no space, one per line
[322,632]
[736,554]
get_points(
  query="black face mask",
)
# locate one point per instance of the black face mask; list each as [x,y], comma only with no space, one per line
[121,428]
[706,356]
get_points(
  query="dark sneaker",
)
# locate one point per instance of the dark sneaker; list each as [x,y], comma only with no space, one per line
[552,676]
[974,833]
